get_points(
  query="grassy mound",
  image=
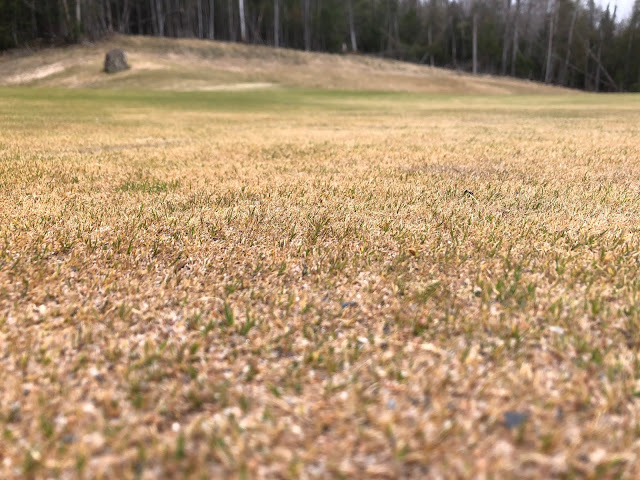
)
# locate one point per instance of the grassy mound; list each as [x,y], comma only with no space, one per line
[186,64]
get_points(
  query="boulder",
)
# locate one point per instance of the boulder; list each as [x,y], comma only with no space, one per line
[115,61]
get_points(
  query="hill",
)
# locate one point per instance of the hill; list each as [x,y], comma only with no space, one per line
[192,65]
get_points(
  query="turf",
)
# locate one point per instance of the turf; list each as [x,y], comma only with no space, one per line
[298,283]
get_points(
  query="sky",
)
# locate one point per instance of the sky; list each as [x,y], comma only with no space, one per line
[624,7]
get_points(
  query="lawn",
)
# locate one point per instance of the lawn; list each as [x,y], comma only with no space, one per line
[295,283]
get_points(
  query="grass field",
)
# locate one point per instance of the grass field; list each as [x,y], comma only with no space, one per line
[294,283]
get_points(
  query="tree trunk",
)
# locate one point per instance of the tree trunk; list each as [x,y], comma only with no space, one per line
[587,49]
[67,18]
[352,30]
[154,18]
[599,66]
[170,28]
[514,47]
[526,34]
[232,26]
[547,74]
[212,18]
[107,7]
[159,17]
[14,31]
[627,60]
[505,37]
[139,19]
[200,19]
[454,52]
[276,23]
[475,44]
[34,22]
[243,24]
[124,17]
[307,26]
[430,40]
[463,43]
[567,57]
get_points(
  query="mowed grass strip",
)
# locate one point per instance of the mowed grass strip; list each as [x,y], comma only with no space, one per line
[298,283]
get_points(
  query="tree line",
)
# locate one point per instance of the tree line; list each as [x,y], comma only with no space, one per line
[575,43]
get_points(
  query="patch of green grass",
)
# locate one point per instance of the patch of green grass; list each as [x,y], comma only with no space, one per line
[148,185]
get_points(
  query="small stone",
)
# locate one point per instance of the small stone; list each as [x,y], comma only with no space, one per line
[556,329]
[598,456]
[95,373]
[94,440]
[514,419]
[14,413]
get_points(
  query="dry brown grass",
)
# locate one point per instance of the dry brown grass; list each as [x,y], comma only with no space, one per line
[300,285]
[187,65]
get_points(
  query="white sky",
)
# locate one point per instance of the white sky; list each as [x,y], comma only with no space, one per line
[624,7]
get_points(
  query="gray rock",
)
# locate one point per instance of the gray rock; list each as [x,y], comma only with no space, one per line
[14,413]
[515,419]
[115,61]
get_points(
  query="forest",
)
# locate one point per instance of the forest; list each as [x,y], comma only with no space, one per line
[572,43]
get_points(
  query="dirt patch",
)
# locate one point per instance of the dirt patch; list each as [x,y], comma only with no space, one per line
[37,74]
[228,87]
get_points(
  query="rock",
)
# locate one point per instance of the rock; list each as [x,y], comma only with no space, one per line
[557,329]
[515,419]
[14,413]
[115,61]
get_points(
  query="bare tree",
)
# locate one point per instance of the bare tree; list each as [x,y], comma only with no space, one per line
[199,16]
[352,30]
[599,57]
[276,23]
[78,12]
[430,40]
[123,20]
[552,14]
[307,26]
[243,24]
[159,16]
[66,19]
[632,27]
[514,48]
[231,23]
[211,20]
[505,36]
[475,43]
[454,52]
[567,57]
